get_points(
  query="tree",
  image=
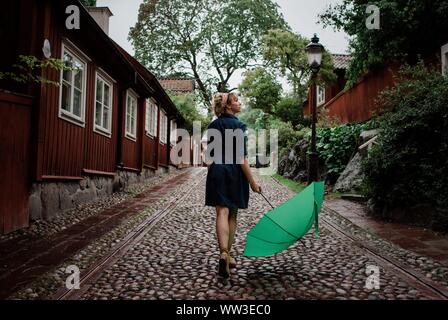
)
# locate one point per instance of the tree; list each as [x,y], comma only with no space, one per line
[288,109]
[89,3]
[284,51]
[261,90]
[188,107]
[407,29]
[208,39]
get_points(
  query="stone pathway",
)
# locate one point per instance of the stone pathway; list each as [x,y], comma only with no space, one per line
[177,257]
[178,260]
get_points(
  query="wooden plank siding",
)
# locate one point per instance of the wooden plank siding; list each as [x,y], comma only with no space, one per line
[163,159]
[100,150]
[150,152]
[132,156]
[359,102]
[15,113]
[67,149]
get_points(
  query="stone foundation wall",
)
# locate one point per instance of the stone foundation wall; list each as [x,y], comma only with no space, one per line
[48,199]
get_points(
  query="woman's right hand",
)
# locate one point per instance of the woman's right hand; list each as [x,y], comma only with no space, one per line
[255,187]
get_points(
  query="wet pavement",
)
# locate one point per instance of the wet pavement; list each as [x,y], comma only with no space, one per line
[419,240]
[177,258]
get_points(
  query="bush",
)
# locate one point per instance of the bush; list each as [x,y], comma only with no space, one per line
[408,167]
[336,146]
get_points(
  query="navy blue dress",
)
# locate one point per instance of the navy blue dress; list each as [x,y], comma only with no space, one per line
[227,185]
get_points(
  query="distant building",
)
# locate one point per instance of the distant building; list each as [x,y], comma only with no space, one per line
[178,85]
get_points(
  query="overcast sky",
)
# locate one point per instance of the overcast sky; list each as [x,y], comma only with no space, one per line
[300,14]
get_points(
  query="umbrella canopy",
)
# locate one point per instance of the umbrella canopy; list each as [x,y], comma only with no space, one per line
[284,225]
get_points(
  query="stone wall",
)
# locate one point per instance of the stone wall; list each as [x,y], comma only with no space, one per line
[48,199]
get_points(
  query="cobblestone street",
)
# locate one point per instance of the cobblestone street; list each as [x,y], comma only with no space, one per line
[178,260]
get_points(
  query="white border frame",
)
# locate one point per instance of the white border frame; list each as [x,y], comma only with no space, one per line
[134,95]
[99,73]
[318,104]
[149,102]
[163,115]
[62,114]
[173,133]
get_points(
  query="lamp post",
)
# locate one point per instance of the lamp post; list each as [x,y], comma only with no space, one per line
[314,51]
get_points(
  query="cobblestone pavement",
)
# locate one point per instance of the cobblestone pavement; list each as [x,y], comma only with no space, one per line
[178,258]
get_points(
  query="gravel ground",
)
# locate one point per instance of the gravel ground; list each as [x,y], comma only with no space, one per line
[178,260]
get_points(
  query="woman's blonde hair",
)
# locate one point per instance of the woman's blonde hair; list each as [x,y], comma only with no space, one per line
[221,101]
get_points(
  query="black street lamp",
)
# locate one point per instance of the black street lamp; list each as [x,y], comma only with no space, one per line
[314,51]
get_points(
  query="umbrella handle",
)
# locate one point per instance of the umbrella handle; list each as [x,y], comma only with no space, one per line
[267,200]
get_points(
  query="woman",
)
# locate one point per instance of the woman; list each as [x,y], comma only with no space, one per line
[227,186]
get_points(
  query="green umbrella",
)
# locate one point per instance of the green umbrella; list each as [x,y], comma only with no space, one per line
[284,225]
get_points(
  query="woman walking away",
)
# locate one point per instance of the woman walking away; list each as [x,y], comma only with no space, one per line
[229,177]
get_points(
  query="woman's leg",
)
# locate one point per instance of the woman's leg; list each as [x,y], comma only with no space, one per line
[222,228]
[232,226]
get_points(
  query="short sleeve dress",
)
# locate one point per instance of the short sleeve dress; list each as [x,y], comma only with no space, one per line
[226,184]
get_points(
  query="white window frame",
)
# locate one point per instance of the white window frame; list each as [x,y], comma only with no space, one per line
[102,76]
[163,126]
[173,134]
[444,55]
[128,133]
[82,59]
[151,118]
[320,95]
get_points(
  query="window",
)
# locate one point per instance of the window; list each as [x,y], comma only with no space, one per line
[72,89]
[163,126]
[151,118]
[173,135]
[103,105]
[445,59]
[131,115]
[320,95]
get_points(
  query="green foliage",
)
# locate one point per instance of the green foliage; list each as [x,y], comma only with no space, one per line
[408,29]
[207,39]
[261,90]
[408,166]
[288,109]
[291,184]
[337,145]
[187,104]
[28,68]
[89,3]
[284,51]
[288,134]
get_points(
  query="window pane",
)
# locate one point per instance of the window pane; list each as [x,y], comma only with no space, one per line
[67,74]
[106,94]
[66,98]
[78,75]
[77,102]
[99,90]
[98,114]
[128,123]
[106,119]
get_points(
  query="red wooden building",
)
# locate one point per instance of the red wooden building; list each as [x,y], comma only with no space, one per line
[106,125]
[359,102]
